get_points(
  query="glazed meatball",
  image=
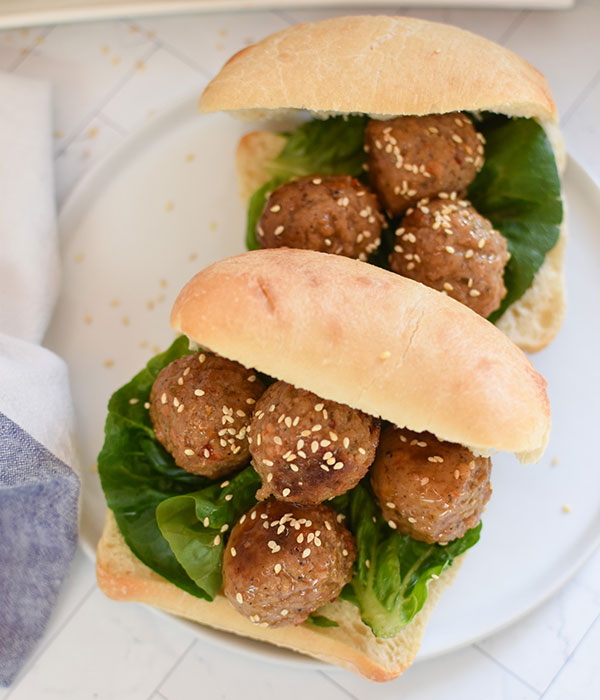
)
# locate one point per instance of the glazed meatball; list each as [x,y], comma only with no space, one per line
[414,157]
[431,490]
[307,449]
[445,244]
[283,562]
[200,406]
[331,214]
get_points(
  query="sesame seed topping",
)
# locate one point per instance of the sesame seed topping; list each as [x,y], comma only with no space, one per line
[362,450]
[180,381]
[275,208]
[229,496]
[474,293]
[448,287]
[201,358]
[199,392]
[277,568]
[180,408]
[279,230]
[424,480]
[385,355]
[450,249]
[412,520]
[389,504]
[319,407]
[269,477]
[333,436]
[316,428]
[238,597]
[277,440]
[175,402]
[338,465]
[317,181]
[469,254]
[133,401]
[285,493]
[206,522]
[163,399]
[267,462]
[306,553]
[206,453]
[284,612]
[456,473]
[345,552]
[392,524]
[217,540]
[188,452]
[252,378]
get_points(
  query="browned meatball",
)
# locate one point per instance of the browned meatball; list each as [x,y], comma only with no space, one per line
[445,244]
[431,490]
[331,214]
[415,157]
[200,406]
[283,562]
[307,449]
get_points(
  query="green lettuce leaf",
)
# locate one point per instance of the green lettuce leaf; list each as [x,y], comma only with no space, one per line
[198,547]
[332,146]
[518,188]
[321,621]
[392,570]
[137,473]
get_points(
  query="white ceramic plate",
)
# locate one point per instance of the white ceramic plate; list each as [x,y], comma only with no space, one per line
[165,205]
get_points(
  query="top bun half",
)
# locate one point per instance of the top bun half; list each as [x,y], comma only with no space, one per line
[371,339]
[382,66]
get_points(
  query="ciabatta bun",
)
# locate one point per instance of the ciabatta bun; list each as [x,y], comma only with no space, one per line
[352,645]
[373,340]
[385,67]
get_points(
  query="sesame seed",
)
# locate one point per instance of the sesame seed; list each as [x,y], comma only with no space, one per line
[448,287]
[277,440]
[163,399]
[252,378]
[267,462]
[469,254]
[188,452]
[180,381]
[285,493]
[238,597]
[319,407]
[217,540]
[392,524]
[474,293]
[300,538]
[450,249]
[338,465]
[316,428]
[317,181]
[412,520]
[206,522]
[229,496]
[250,401]
[456,473]
[333,436]
[199,392]
[345,552]
[481,243]
[325,443]
[269,477]
[206,453]
[277,568]
[324,467]
[201,357]
[362,450]
[133,401]
[253,516]
[284,612]
[389,504]
[275,208]
[566,508]
[346,442]
[147,404]
[306,553]
[233,551]
[175,402]
[180,408]
[424,480]
[279,230]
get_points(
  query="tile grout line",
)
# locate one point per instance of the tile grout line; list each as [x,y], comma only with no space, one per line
[107,121]
[24,56]
[508,670]
[174,51]
[43,649]
[90,116]
[173,668]
[513,26]
[561,669]
[337,685]
[580,99]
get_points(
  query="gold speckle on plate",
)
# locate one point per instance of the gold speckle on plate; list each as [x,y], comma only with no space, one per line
[85,153]
[109,363]
[105,49]
[169,206]
[150,304]
[190,157]
[116,60]
[140,65]
[155,349]
[159,298]
[133,29]
[93,132]
[125,320]
[163,283]
[39,39]
[213,226]
[87,319]
[222,33]
[114,303]
[219,46]
[79,257]
[150,35]
[58,134]
[192,256]
[143,343]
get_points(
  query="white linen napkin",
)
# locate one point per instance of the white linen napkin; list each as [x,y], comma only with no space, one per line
[38,488]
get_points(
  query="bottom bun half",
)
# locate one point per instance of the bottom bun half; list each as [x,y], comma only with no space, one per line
[351,645]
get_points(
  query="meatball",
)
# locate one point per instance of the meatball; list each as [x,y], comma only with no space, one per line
[283,562]
[307,449]
[331,214]
[414,157]
[200,406]
[431,490]
[445,244]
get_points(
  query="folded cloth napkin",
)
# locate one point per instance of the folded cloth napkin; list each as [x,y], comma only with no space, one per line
[38,488]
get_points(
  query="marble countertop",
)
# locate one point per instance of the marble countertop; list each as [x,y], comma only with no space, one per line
[109,77]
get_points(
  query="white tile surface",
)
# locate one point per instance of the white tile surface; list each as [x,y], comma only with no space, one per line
[95,648]
[151,88]
[107,650]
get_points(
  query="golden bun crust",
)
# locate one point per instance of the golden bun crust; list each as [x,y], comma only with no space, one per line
[531,322]
[352,645]
[382,66]
[354,333]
